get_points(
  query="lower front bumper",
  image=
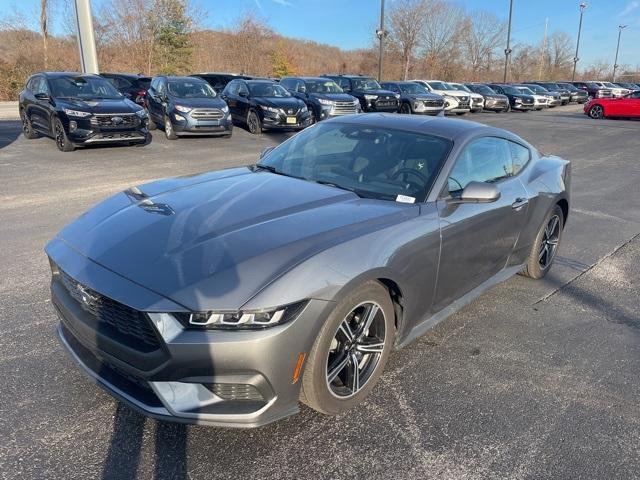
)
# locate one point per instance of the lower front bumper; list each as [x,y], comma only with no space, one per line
[211,377]
[90,137]
[519,106]
[184,125]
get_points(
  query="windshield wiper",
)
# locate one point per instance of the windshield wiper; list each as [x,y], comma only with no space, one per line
[341,187]
[268,168]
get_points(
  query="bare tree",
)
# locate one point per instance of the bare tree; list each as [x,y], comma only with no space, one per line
[406,23]
[442,27]
[250,32]
[44,30]
[482,34]
[561,55]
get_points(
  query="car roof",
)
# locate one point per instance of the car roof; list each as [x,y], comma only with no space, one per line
[133,76]
[449,128]
[65,74]
[183,78]
[306,79]
[260,80]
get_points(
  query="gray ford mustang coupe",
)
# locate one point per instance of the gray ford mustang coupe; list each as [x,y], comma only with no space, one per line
[225,298]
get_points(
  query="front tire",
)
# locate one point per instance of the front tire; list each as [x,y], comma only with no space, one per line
[169,132]
[596,112]
[351,350]
[253,123]
[545,246]
[405,108]
[60,136]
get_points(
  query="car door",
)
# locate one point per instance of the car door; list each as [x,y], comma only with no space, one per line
[243,101]
[154,100]
[230,95]
[634,103]
[478,238]
[41,108]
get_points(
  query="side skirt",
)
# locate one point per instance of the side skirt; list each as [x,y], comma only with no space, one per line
[430,322]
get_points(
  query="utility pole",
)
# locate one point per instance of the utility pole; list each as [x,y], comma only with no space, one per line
[544,47]
[507,51]
[583,6]
[86,37]
[615,62]
[381,33]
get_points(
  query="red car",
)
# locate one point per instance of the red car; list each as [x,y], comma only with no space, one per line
[627,106]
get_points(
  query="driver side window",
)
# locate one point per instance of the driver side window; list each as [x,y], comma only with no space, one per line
[487,159]
[242,88]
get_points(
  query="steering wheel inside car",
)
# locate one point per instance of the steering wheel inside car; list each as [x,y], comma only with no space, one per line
[410,171]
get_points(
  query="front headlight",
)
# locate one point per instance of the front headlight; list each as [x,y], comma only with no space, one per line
[225,109]
[182,109]
[76,113]
[271,109]
[518,100]
[244,320]
[371,97]
[142,113]
[397,96]
[324,101]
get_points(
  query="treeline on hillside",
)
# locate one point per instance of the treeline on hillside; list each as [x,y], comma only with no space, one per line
[426,39]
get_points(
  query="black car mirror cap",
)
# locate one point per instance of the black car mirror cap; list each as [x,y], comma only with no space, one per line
[479,192]
[42,96]
[244,94]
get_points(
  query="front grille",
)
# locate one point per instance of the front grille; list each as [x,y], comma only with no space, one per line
[207,114]
[433,103]
[115,120]
[344,108]
[125,320]
[386,102]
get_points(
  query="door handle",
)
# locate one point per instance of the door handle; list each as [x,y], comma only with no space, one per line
[520,202]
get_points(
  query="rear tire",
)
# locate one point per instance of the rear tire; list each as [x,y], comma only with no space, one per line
[340,373]
[27,128]
[545,246]
[596,112]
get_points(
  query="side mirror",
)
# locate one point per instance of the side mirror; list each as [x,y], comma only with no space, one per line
[480,192]
[42,96]
[243,94]
[265,152]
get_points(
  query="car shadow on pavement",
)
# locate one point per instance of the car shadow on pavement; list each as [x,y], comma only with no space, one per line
[10,130]
[123,457]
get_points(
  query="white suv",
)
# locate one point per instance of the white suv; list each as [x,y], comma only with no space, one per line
[455,101]
[477,100]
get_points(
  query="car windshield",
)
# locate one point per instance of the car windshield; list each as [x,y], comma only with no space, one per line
[83,87]
[322,86]
[537,88]
[511,90]
[373,162]
[412,88]
[593,85]
[568,86]
[526,90]
[439,86]
[191,89]
[552,86]
[609,84]
[264,89]
[459,86]
[483,89]
[365,84]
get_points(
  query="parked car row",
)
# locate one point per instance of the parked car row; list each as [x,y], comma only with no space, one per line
[83,109]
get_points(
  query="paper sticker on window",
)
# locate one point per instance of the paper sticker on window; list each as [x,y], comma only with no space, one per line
[405,199]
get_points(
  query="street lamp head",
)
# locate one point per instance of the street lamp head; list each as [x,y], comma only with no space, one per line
[583,5]
[622,27]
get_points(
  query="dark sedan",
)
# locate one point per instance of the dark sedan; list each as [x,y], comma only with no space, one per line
[415,98]
[263,104]
[132,85]
[78,110]
[517,99]
[227,297]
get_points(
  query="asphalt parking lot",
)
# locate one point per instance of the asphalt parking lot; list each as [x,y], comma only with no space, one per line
[533,380]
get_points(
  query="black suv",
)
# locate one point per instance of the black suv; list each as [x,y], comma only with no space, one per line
[263,104]
[565,94]
[220,80]
[415,98]
[324,98]
[517,99]
[187,106]
[80,109]
[373,98]
[131,85]
[577,95]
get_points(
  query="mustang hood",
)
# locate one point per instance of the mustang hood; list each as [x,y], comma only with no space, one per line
[213,241]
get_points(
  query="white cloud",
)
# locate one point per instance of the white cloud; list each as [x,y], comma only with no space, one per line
[284,3]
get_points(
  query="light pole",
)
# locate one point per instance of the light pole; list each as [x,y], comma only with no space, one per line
[507,51]
[381,33]
[583,5]
[86,38]
[615,62]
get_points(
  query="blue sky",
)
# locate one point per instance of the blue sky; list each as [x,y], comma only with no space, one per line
[348,23]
